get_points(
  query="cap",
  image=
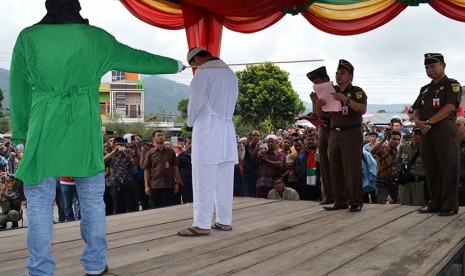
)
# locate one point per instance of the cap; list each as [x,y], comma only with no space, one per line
[317,73]
[271,136]
[410,111]
[396,119]
[460,120]
[344,64]
[431,58]
[194,51]
[417,129]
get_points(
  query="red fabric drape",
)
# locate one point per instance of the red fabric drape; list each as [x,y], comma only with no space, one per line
[154,17]
[253,25]
[357,26]
[203,29]
[449,9]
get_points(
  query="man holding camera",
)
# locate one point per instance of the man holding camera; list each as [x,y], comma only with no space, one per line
[122,188]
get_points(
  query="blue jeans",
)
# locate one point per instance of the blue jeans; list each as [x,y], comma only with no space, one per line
[40,219]
[69,193]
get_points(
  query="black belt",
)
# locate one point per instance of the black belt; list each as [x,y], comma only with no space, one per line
[415,178]
[345,127]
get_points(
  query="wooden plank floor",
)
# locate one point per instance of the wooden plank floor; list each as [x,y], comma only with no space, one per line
[269,238]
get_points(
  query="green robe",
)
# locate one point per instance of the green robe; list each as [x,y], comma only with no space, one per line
[54,99]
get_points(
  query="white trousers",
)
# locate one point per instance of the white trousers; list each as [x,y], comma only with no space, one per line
[213,189]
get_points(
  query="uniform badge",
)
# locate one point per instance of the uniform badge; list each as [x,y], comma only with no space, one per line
[359,95]
[455,88]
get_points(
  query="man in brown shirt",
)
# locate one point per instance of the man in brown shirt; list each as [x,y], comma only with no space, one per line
[345,142]
[161,173]
[435,115]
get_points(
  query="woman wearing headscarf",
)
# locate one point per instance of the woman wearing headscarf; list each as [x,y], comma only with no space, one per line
[55,75]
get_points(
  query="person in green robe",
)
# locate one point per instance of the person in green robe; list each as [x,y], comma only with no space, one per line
[55,75]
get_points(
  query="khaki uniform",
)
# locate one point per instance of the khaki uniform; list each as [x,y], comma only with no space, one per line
[439,149]
[345,151]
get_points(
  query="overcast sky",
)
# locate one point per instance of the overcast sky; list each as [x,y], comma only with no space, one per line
[388,61]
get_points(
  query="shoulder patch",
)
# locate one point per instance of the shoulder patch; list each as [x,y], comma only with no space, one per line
[359,94]
[455,87]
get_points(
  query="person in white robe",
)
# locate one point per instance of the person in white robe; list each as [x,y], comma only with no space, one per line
[212,99]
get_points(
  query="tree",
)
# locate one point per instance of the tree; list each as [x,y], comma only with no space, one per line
[182,107]
[266,98]
[381,111]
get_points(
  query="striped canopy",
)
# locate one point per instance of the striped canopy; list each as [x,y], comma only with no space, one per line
[204,19]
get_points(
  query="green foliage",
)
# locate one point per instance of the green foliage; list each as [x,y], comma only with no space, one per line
[266,99]
[134,128]
[4,125]
[182,107]
[381,111]
[185,132]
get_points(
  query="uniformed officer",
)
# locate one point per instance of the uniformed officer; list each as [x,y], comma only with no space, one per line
[318,76]
[345,142]
[435,114]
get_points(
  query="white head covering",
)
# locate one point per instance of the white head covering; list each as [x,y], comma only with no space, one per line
[193,52]
[271,136]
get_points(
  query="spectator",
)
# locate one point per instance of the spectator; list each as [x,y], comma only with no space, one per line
[271,165]
[122,188]
[250,173]
[413,192]
[70,196]
[291,175]
[280,191]
[306,168]
[410,122]
[12,163]
[372,140]
[185,167]
[138,176]
[386,164]
[6,213]
[368,177]
[162,177]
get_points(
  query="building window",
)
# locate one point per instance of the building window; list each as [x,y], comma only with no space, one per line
[127,110]
[138,110]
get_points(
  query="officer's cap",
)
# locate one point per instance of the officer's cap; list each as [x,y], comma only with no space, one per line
[344,64]
[431,58]
[317,73]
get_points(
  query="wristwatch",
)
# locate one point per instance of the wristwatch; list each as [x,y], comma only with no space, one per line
[347,101]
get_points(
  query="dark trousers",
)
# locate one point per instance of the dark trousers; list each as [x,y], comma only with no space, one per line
[123,198]
[141,197]
[187,193]
[248,185]
[440,154]
[164,197]
[323,139]
[108,201]
[345,155]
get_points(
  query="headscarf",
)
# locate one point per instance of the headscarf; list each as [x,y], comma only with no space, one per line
[63,11]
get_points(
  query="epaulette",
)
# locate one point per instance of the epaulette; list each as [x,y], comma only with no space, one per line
[453,80]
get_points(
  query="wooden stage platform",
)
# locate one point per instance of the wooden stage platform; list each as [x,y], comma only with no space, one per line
[269,238]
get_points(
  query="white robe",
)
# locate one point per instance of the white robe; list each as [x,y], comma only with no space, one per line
[212,99]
